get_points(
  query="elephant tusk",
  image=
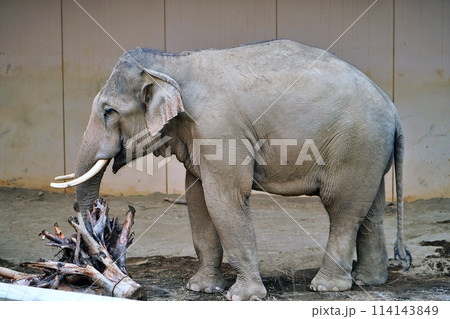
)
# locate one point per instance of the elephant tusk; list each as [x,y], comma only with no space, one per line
[88,175]
[70,176]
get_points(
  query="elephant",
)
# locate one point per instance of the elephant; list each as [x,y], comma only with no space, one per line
[275,116]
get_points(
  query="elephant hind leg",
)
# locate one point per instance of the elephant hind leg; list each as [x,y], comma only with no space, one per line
[346,213]
[335,271]
[371,267]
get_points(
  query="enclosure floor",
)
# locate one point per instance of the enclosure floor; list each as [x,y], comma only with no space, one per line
[162,257]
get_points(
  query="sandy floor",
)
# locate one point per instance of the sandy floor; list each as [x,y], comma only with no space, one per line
[288,256]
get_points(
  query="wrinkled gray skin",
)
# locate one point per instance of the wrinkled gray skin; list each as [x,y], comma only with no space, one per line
[354,125]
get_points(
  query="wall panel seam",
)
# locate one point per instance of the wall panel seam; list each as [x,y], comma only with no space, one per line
[393,90]
[276,19]
[63,88]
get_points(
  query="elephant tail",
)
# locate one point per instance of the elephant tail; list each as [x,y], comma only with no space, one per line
[400,249]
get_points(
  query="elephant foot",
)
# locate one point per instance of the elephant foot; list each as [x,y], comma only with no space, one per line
[323,283]
[364,276]
[246,290]
[207,280]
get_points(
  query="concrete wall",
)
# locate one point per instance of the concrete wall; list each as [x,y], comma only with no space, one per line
[31,95]
[54,58]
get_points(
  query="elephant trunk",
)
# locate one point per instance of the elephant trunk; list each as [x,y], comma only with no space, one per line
[87,192]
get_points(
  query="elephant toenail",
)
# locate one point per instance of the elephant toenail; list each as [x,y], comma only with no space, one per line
[236,298]
[321,288]
[255,298]
[335,289]
[208,290]
[194,287]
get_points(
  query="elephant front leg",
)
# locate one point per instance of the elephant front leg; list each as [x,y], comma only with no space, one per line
[230,213]
[206,241]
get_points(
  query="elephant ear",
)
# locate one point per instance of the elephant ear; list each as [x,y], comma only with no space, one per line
[161,96]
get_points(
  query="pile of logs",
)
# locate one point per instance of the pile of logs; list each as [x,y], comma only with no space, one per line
[91,260]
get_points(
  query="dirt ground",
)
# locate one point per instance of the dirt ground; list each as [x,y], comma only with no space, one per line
[162,257]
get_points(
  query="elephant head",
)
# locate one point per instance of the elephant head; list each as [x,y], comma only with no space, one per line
[134,100]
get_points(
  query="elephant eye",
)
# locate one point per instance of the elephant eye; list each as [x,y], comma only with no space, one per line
[107,111]
[110,114]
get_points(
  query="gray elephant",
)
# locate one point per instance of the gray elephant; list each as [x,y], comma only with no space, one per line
[239,119]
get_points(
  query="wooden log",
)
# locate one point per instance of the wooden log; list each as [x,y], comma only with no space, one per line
[15,275]
[176,201]
[95,253]
[110,281]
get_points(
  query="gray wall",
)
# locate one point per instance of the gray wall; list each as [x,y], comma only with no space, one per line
[54,58]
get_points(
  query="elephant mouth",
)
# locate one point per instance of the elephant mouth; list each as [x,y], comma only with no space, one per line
[120,160]
[135,148]
[126,154]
